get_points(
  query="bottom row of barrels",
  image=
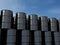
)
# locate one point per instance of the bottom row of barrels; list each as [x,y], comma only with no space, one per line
[26,37]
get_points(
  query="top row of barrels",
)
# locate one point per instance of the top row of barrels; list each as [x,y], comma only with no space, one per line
[33,22]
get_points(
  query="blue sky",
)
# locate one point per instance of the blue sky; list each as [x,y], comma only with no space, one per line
[50,8]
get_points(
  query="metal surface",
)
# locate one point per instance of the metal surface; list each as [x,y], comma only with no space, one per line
[33,22]
[6,12]
[20,26]
[11,32]
[6,15]
[21,14]
[57,38]
[53,23]
[21,18]
[48,38]
[10,44]
[6,25]
[37,38]
[25,37]
[44,23]
[11,37]
[6,18]
[25,43]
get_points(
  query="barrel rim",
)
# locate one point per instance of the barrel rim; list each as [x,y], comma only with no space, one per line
[20,12]
[7,10]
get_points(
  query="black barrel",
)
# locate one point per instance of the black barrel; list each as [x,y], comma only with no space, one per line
[6,18]
[33,22]
[37,38]
[11,37]
[48,38]
[25,37]
[53,23]
[21,20]
[44,23]
[57,38]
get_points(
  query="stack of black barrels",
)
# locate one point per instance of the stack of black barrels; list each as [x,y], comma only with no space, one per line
[31,30]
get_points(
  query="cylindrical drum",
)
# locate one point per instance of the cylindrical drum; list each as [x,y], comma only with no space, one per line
[33,22]
[21,17]
[48,38]
[37,38]
[25,37]
[53,24]
[11,37]
[57,38]
[44,23]
[6,18]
